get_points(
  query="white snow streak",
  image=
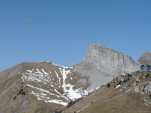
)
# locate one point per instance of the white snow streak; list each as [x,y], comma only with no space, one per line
[43,97]
[41,76]
[70,92]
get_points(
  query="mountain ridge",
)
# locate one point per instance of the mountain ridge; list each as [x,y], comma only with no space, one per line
[28,87]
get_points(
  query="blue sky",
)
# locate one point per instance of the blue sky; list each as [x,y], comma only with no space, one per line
[61,30]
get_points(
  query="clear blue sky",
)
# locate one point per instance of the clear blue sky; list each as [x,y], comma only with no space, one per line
[61,30]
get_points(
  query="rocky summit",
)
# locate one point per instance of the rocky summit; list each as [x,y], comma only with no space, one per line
[102,64]
[45,87]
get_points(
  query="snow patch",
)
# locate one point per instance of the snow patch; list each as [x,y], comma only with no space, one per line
[62,66]
[43,97]
[36,76]
[118,86]
[52,95]
[70,92]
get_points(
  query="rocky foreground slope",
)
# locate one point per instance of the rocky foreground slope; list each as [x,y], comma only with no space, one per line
[130,93]
[47,88]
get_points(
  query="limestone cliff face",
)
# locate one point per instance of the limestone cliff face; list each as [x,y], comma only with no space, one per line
[102,64]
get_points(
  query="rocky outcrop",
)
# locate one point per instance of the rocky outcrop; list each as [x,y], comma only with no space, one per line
[102,64]
[145,59]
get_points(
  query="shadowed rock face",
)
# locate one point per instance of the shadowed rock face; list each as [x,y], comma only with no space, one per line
[145,59]
[102,64]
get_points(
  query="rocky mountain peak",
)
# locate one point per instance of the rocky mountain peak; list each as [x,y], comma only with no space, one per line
[101,64]
[100,55]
